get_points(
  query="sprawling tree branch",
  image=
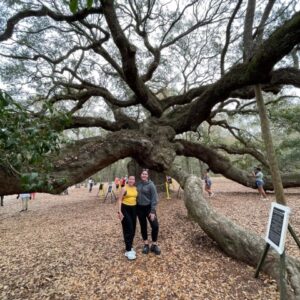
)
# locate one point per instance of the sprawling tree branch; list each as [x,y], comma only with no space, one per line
[242,151]
[261,26]
[274,83]
[285,76]
[228,31]
[248,27]
[141,30]
[128,52]
[56,60]
[93,153]
[220,164]
[81,122]
[206,20]
[94,92]
[231,238]
[254,71]
[45,11]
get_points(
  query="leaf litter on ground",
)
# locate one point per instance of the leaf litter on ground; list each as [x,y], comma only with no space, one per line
[71,247]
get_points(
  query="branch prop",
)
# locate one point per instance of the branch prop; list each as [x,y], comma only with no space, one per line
[45,11]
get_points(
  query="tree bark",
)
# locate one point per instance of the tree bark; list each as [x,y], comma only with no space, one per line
[231,238]
[158,178]
[81,159]
[84,158]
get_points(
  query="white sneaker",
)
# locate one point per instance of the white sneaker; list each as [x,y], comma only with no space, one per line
[131,255]
[132,250]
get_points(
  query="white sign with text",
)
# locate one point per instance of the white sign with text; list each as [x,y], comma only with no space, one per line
[277,226]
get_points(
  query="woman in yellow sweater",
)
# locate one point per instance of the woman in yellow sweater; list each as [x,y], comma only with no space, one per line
[127,215]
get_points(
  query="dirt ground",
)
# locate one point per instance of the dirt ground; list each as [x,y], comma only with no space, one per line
[71,247]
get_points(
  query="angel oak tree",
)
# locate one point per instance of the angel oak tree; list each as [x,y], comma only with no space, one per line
[146,72]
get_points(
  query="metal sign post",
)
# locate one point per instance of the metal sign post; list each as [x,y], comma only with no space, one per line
[276,233]
[111,192]
[277,226]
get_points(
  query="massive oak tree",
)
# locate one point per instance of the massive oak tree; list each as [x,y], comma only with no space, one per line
[146,72]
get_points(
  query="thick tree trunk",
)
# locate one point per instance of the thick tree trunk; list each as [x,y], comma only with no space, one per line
[231,238]
[158,178]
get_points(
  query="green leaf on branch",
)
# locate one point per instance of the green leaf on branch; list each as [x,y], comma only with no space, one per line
[73,6]
[89,3]
[27,139]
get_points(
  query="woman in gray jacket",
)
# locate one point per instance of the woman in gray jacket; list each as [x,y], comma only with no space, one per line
[146,210]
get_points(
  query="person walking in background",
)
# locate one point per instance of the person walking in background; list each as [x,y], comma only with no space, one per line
[2,200]
[32,195]
[24,198]
[65,192]
[127,215]
[259,182]
[169,181]
[208,183]
[91,183]
[146,210]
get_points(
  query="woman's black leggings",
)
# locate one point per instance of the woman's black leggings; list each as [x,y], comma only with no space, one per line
[143,214]
[128,224]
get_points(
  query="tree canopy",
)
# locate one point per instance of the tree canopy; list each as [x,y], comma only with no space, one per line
[146,72]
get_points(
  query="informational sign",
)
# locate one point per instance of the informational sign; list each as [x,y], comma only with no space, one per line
[109,189]
[277,226]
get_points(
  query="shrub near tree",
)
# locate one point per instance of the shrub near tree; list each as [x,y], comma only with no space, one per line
[25,139]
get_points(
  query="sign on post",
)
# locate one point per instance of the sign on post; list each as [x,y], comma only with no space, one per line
[277,226]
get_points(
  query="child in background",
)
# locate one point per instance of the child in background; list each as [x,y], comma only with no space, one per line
[208,183]
[259,182]
[24,198]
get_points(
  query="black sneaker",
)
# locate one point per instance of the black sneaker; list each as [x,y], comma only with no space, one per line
[155,249]
[146,249]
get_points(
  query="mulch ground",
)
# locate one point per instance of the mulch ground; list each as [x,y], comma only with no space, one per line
[71,247]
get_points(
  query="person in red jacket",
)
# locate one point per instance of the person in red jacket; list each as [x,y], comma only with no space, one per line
[123,181]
